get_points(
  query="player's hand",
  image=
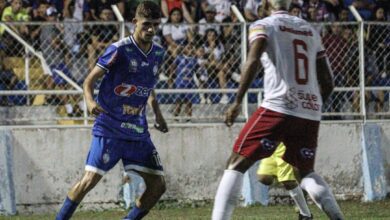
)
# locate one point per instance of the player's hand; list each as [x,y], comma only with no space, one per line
[160,124]
[95,109]
[232,113]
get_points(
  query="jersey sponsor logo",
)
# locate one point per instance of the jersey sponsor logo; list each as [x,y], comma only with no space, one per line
[126,90]
[136,128]
[291,99]
[106,158]
[309,100]
[307,153]
[130,110]
[133,65]
[294,31]
[144,64]
[159,53]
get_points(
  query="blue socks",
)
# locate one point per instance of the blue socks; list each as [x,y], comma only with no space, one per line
[67,209]
[136,214]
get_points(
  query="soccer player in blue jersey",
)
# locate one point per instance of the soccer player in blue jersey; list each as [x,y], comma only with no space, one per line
[129,69]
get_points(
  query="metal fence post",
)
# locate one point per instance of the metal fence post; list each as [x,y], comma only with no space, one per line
[27,72]
[361,62]
[241,18]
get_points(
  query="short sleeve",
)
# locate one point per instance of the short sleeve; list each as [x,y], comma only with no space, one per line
[258,30]
[166,30]
[109,58]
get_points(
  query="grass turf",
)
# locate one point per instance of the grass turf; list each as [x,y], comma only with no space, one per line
[352,210]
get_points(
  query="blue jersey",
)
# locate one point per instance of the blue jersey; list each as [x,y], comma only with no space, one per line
[130,78]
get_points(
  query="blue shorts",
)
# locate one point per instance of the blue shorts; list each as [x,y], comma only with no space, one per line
[105,153]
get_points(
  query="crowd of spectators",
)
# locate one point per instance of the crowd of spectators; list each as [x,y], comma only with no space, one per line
[211,30]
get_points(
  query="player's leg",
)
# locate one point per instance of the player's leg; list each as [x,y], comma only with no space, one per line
[229,189]
[142,157]
[298,197]
[101,158]
[301,146]
[286,176]
[188,108]
[266,173]
[257,140]
[155,188]
[77,193]
[321,194]
[177,109]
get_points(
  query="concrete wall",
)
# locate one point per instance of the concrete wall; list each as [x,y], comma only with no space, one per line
[47,161]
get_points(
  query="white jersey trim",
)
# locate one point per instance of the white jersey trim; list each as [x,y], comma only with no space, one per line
[101,66]
[94,169]
[143,169]
[249,130]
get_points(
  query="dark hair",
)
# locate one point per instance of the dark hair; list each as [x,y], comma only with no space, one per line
[148,9]
[374,17]
[172,11]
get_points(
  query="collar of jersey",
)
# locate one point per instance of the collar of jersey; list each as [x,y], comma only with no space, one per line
[140,50]
[279,13]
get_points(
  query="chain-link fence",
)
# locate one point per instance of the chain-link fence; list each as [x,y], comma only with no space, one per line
[43,68]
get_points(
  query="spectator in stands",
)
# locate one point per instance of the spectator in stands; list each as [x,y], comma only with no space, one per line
[81,11]
[102,35]
[251,10]
[38,15]
[209,22]
[315,10]
[229,72]
[176,35]
[222,7]
[185,66]
[168,5]
[343,15]
[336,48]
[75,40]
[386,6]
[49,32]
[3,4]
[14,13]
[295,10]
[8,79]
[378,40]
[351,64]
[201,74]
[214,52]
[98,6]
[364,7]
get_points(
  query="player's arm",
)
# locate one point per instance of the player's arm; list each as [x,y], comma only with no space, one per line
[325,77]
[160,124]
[248,73]
[88,86]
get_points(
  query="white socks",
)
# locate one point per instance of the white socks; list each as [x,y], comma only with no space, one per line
[320,193]
[229,191]
[299,199]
